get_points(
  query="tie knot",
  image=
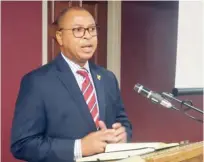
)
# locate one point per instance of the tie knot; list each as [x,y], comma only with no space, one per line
[83,73]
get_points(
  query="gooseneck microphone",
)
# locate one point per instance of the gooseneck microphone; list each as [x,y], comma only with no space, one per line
[153,96]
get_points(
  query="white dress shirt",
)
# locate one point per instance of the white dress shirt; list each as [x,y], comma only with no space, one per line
[74,68]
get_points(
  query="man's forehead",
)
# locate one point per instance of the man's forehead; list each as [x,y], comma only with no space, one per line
[78,17]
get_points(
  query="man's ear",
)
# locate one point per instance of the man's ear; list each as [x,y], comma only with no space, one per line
[58,36]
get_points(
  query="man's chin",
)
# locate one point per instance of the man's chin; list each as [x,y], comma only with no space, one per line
[86,56]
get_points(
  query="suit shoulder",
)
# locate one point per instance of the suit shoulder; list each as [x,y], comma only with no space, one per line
[39,71]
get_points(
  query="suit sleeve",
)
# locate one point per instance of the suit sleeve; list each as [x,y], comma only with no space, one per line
[121,115]
[29,141]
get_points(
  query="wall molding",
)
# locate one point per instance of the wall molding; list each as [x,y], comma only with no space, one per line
[114,38]
[44,31]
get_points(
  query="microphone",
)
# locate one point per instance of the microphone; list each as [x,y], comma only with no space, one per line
[153,96]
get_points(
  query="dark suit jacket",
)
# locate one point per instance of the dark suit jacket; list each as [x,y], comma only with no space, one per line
[51,112]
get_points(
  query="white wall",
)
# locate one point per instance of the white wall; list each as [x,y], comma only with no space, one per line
[189,68]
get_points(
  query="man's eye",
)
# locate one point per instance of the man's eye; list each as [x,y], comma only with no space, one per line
[79,29]
[92,28]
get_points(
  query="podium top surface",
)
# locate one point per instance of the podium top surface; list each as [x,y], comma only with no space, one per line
[176,154]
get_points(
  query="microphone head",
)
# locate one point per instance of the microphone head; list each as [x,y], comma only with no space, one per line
[153,96]
[137,87]
[148,93]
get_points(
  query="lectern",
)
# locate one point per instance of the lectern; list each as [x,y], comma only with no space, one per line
[192,152]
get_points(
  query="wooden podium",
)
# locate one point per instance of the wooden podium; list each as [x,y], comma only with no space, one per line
[184,153]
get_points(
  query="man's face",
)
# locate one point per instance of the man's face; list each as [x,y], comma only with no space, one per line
[76,44]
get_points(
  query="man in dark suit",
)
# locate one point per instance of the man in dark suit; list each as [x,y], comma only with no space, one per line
[70,107]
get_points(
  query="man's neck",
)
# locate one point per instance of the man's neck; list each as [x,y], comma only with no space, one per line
[81,64]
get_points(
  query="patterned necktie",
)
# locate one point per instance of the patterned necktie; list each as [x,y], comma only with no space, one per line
[89,95]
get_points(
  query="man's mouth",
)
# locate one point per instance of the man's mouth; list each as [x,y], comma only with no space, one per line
[87,48]
[87,45]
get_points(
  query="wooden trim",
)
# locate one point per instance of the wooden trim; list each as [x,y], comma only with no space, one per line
[44,31]
[114,38]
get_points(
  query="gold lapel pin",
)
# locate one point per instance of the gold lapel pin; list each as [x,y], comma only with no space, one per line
[98,77]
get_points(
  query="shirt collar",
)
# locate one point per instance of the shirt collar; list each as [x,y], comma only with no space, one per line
[75,67]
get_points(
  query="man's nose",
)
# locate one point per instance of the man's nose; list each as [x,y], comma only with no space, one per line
[87,35]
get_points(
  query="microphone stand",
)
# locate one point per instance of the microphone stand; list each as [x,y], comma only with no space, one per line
[185,103]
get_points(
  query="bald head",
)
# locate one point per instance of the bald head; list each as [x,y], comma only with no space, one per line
[67,13]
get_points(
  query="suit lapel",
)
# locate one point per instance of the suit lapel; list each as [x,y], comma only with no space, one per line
[99,86]
[67,78]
